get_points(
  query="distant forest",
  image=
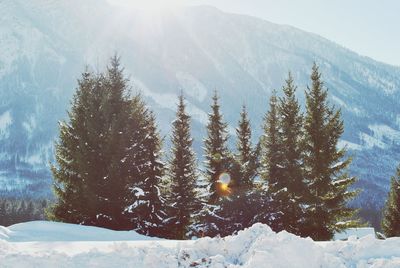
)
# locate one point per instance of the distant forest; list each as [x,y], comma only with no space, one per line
[14,211]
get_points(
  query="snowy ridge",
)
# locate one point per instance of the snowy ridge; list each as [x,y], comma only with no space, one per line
[383,131]
[257,246]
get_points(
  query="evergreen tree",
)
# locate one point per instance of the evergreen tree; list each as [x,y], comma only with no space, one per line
[245,156]
[146,210]
[271,145]
[391,214]
[90,154]
[325,165]
[3,212]
[138,157]
[30,212]
[271,169]
[239,209]
[115,112]
[218,163]
[21,212]
[71,172]
[290,188]
[216,152]
[182,175]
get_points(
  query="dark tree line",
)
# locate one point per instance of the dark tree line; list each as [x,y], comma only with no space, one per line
[110,173]
[14,211]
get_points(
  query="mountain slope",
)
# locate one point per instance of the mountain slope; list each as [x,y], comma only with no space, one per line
[45,44]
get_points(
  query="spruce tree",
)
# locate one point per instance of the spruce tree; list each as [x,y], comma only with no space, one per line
[182,174]
[239,209]
[147,208]
[325,165]
[72,173]
[218,163]
[271,145]
[290,188]
[109,158]
[114,138]
[270,168]
[217,156]
[137,156]
[3,212]
[391,213]
[30,211]
[245,155]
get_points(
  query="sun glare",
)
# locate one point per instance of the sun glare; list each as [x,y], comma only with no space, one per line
[224,187]
[148,4]
[224,180]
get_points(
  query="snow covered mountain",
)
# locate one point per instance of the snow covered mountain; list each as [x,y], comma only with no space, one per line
[45,44]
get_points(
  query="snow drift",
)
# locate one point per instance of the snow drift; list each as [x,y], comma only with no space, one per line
[53,231]
[45,244]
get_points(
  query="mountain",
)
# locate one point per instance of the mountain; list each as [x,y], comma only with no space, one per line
[45,45]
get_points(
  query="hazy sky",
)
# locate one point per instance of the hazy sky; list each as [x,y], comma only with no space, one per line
[369,27]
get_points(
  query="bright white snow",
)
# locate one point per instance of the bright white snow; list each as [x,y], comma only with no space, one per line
[357,232]
[53,231]
[45,244]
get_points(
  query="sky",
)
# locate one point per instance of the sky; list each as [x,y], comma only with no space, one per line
[368,27]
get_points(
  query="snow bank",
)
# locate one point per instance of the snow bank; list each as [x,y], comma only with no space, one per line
[257,246]
[55,231]
[357,232]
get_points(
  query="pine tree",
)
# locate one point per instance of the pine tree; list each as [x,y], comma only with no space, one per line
[290,188]
[115,111]
[30,212]
[146,210]
[239,209]
[391,214]
[90,169]
[218,163]
[271,170]
[138,157]
[271,145]
[71,173]
[182,176]
[245,156]
[3,213]
[325,165]
[216,152]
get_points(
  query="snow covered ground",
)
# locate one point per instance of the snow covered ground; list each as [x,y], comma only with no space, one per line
[46,244]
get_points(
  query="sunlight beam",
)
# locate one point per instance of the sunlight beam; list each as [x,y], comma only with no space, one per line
[148,4]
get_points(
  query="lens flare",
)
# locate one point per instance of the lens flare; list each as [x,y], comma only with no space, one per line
[223,184]
[225,178]
[224,187]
